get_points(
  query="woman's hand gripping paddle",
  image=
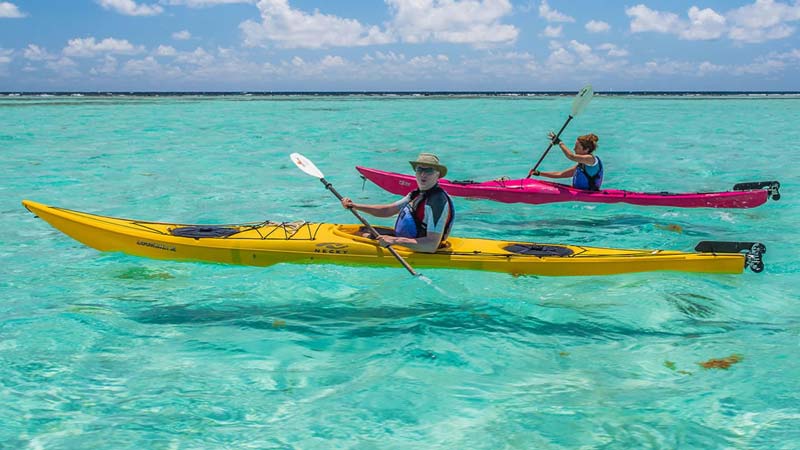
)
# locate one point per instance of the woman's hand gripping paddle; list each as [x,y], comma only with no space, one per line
[578,105]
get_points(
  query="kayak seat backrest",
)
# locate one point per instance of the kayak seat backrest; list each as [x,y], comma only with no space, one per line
[538,250]
[197,231]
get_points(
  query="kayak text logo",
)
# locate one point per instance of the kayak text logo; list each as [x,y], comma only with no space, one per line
[168,248]
[403,183]
[330,247]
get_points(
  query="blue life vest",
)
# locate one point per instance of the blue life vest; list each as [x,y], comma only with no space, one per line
[582,180]
[411,219]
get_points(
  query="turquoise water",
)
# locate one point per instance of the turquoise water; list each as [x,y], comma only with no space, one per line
[112,351]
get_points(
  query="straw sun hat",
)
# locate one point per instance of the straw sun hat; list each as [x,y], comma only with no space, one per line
[429,159]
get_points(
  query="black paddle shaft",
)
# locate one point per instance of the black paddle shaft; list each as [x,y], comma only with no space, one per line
[371,229]
[550,146]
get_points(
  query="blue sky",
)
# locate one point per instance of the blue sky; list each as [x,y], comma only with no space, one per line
[399,45]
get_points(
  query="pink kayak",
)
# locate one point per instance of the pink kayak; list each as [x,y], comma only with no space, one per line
[743,195]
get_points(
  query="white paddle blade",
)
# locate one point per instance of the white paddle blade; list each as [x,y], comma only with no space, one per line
[582,99]
[306,165]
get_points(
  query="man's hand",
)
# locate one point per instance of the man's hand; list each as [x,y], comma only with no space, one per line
[385,241]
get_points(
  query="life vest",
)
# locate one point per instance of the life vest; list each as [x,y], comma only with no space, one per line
[582,180]
[411,219]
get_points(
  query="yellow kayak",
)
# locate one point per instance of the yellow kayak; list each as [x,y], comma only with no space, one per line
[267,243]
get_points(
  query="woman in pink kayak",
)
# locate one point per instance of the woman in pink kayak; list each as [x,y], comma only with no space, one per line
[588,173]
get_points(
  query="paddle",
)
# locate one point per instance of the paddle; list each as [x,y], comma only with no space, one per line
[578,105]
[308,167]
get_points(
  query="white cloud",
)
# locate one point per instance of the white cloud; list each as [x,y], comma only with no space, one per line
[764,13]
[198,57]
[109,67]
[131,8]
[64,67]
[703,24]
[333,61]
[706,68]
[613,50]
[145,66]
[204,3]
[165,50]
[760,21]
[182,35]
[574,53]
[5,56]
[771,63]
[551,15]
[35,53]
[473,22]
[645,19]
[88,47]
[10,11]
[560,56]
[389,56]
[292,28]
[597,26]
[552,31]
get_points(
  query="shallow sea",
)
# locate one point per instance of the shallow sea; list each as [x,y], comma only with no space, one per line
[112,351]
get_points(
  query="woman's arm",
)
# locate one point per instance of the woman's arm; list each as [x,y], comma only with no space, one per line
[584,159]
[563,174]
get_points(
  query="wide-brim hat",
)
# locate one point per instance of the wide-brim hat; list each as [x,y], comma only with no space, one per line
[429,159]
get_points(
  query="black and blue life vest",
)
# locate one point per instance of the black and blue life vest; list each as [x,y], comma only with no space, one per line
[411,219]
[582,180]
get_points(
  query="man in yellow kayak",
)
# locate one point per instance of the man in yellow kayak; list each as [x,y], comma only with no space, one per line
[424,216]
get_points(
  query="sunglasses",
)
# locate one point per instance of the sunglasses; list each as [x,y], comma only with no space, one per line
[424,170]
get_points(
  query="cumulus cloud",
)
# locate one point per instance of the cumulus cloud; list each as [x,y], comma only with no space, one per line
[597,26]
[199,57]
[552,31]
[35,53]
[165,50]
[575,53]
[644,19]
[203,3]
[551,15]
[107,67]
[182,35]
[703,24]
[5,56]
[148,65]
[706,68]
[763,20]
[612,50]
[473,22]
[88,47]
[333,61]
[10,11]
[131,8]
[760,21]
[292,28]
[64,67]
